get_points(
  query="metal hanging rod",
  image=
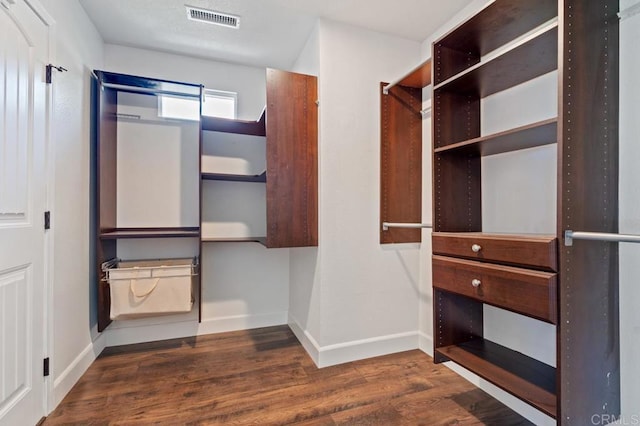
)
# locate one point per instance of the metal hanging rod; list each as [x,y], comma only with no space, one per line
[629,12]
[569,236]
[425,112]
[387,225]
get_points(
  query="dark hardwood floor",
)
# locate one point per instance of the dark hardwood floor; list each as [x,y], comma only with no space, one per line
[264,377]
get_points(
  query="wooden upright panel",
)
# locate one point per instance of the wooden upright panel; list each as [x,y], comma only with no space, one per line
[588,329]
[400,163]
[106,189]
[292,160]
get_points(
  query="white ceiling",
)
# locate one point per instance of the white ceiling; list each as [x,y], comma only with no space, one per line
[272,32]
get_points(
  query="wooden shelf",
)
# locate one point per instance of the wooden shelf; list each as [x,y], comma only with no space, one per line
[242,127]
[419,77]
[529,136]
[136,84]
[521,63]
[494,26]
[262,177]
[123,233]
[528,379]
[261,240]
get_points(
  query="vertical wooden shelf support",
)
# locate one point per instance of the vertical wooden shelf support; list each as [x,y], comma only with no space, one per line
[401,154]
[582,280]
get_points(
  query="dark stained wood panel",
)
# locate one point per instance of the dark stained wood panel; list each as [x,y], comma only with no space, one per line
[107,158]
[106,198]
[419,77]
[524,291]
[521,63]
[537,251]
[529,136]
[456,319]
[242,127]
[457,194]
[494,26]
[530,380]
[122,233]
[457,118]
[292,159]
[400,163]
[137,84]
[264,377]
[261,240]
[262,177]
[588,333]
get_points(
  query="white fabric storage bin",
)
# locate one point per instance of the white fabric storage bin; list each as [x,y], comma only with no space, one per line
[151,287]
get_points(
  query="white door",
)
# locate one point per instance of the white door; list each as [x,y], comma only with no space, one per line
[23,139]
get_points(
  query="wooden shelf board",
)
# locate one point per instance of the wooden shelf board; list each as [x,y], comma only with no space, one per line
[122,233]
[243,127]
[136,84]
[521,63]
[529,136]
[262,177]
[528,379]
[261,240]
[419,77]
[499,23]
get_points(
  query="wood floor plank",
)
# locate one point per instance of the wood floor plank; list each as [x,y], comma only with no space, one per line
[264,377]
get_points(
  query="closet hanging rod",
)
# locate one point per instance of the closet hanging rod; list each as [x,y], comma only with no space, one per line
[387,225]
[144,90]
[569,236]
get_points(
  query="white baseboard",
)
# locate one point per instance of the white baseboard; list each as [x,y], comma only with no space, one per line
[153,332]
[306,340]
[425,344]
[64,381]
[326,356]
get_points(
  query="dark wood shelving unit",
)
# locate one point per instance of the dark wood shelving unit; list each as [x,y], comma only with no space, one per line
[291,160]
[241,127]
[122,233]
[529,379]
[574,288]
[519,64]
[532,135]
[261,240]
[491,28]
[107,232]
[262,177]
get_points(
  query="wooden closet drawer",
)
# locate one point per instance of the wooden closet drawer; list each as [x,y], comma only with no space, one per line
[525,291]
[523,250]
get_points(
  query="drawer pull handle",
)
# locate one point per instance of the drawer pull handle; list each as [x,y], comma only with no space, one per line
[476,248]
[476,282]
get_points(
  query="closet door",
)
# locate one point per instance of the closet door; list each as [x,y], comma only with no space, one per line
[292,160]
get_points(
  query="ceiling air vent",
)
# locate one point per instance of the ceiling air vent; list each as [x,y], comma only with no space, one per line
[213,17]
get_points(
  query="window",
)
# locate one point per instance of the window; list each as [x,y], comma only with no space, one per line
[216,103]
[219,104]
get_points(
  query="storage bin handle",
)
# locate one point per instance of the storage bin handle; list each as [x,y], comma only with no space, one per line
[133,290]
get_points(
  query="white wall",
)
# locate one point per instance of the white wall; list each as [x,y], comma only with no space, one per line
[79,48]
[365,295]
[304,271]
[244,284]
[629,208]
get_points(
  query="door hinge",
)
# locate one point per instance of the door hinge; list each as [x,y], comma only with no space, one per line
[47,220]
[45,367]
[48,73]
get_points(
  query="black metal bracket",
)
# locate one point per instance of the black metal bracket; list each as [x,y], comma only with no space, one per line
[48,73]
